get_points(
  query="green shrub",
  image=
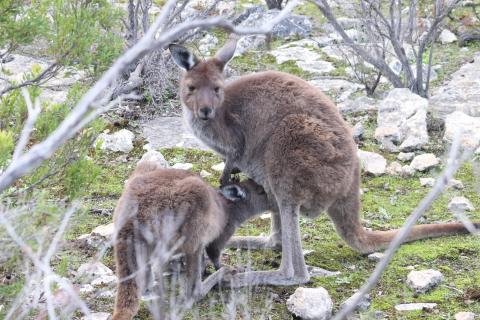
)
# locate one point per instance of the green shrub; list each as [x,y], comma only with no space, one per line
[7,146]
[78,176]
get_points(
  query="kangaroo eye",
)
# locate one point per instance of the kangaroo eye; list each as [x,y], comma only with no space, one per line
[217,89]
[191,88]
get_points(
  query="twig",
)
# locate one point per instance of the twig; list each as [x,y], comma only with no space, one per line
[33,112]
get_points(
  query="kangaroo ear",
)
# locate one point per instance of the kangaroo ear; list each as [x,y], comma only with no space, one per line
[226,53]
[233,192]
[182,57]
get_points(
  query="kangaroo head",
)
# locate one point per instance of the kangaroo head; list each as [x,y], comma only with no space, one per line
[247,195]
[201,87]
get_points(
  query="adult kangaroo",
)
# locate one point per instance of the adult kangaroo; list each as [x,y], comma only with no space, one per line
[290,138]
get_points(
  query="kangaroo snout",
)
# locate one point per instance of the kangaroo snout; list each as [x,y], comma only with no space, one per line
[206,113]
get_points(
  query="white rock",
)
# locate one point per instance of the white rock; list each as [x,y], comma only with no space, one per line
[86,288]
[97,316]
[156,157]
[219,167]
[394,168]
[106,294]
[447,36]
[455,184]
[468,127]
[91,270]
[105,230]
[103,281]
[121,141]
[363,305]
[376,256]
[310,303]
[460,204]
[423,280]
[358,130]
[407,171]
[307,252]
[304,58]
[182,166]
[465,316]
[427,182]
[402,119]
[205,174]
[342,88]
[414,306]
[372,162]
[405,156]
[424,162]
[359,104]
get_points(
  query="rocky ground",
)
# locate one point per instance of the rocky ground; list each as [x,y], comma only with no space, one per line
[402,140]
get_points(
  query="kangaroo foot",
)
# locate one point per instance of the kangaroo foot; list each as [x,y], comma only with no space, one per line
[252,242]
[274,278]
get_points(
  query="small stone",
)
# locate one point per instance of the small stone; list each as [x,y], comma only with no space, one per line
[414,306]
[182,166]
[427,182]
[105,230]
[455,184]
[465,316]
[394,168]
[310,303]
[405,156]
[407,171]
[265,216]
[91,270]
[423,280]
[97,316]
[106,294]
[424,162]
[307,252]
[156,157]
[205,174]
[372,162]
[447,36]
[219,167]
[120,141]
[460,204]
[104,281]
[358,131]
[363,305]
[86,289]
[376,256]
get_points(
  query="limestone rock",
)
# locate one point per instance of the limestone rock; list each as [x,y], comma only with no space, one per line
[468,127]
[219,167]
[92,270]
[402,119]
[358,131]
[447,36]
[407,171]
[310,303]
[460,204]
[405,156]
[455,184]
[461,93]
[305,58]
[360,104]
[182,166]
[98,316]
[427,182]
[341,88]
[156,157]
[414,306]
[120,141]
[424,162]
[423,280]
[372,162]
[205,174]
[376,256]
[394,168]
[465,316]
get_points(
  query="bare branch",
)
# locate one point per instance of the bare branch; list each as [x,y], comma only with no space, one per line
[33,112]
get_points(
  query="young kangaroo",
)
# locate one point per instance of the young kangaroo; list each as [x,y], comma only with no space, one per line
[179,208]
[290,138]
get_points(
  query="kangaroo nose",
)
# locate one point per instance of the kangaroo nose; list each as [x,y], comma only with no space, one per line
[205,112]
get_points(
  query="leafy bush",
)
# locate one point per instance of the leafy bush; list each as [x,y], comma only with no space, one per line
[6,147]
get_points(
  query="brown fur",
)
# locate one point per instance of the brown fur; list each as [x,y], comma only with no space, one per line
[201,216]
[290,138]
